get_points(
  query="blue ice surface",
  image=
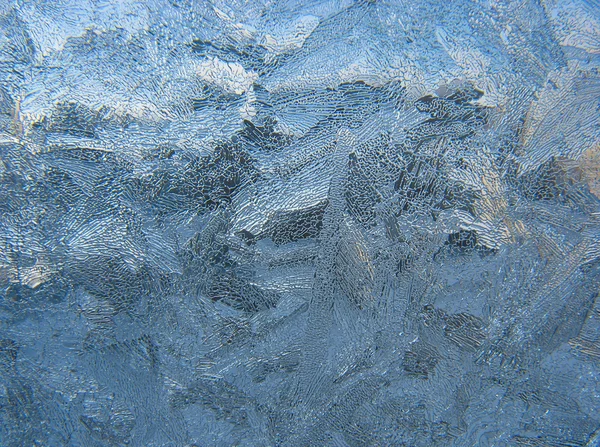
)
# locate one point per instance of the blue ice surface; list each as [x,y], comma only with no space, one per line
[318,223]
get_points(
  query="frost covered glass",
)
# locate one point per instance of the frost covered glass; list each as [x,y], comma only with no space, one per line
[294,223]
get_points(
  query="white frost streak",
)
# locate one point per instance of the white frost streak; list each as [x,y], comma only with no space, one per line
[230,76]
[475,67]
[292,38]
[576,24]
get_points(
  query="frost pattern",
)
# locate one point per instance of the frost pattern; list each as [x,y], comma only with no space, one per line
[329,223]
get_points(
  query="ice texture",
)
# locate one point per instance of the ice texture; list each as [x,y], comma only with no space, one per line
[299,223]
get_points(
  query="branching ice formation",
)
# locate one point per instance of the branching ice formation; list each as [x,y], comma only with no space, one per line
[318,223]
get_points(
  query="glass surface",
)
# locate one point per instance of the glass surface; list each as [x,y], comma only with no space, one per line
[299,223]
